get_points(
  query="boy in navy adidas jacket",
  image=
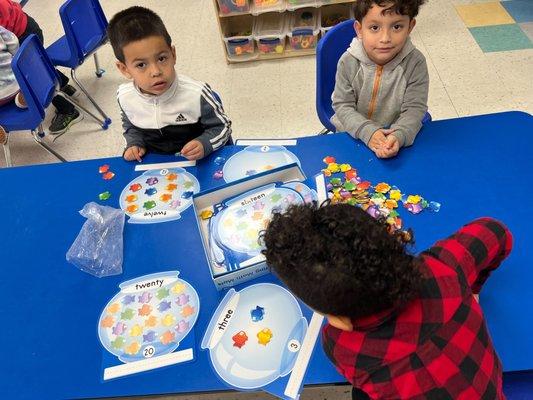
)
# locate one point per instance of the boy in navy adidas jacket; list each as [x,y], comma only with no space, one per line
[162,111]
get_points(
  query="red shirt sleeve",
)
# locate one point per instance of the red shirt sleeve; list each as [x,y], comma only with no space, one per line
[12,17]
[476,249]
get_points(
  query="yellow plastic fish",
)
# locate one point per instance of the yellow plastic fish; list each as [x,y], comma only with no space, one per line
[136,330]
[264,336]
[168,320]
[178,288]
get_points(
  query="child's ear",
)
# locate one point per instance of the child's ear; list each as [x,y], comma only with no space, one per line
[358,28]
[123,69]
[173,48]
[342,323]
[412,24]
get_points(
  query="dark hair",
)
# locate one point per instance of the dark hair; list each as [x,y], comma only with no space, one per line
[401,7]
[132,24]
[339,260]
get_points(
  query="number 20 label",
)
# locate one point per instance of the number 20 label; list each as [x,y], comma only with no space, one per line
[148,351]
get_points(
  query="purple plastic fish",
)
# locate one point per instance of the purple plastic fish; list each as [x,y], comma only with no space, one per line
[149,337]
[182,326]
[290,198]
[128,299]
[373,211]
[258,205]
[152,181]
[218,174]
[182,299]
[145,297]
[163,306]
[119,328]
[414,208]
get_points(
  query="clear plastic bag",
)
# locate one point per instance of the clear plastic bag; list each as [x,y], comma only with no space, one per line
[98,249]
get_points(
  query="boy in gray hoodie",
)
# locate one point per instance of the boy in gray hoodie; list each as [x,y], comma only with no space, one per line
[382,81]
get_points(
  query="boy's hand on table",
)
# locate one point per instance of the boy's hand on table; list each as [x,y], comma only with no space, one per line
[390,148]
[377,140]
[134,153]
[194,150]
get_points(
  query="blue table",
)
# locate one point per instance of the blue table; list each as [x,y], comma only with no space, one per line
[474,166]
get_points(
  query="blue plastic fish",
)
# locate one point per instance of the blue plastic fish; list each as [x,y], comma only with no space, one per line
[257,314]
[220,160]
[150,191]
[149,337]
[163,306]
[187,195]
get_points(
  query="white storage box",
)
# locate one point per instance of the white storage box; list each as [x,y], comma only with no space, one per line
[270,31]
[238,37]
[294,4]
[303,29]
[334,14]
[231,218]
[229,7]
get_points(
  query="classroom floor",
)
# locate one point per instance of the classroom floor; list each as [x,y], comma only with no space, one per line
[469,75]
[468,45]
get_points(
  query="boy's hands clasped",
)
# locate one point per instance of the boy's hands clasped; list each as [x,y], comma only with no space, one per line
[384,144]
[193,150]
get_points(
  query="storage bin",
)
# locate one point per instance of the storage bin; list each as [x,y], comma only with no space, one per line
[270,32]
[333,14]
[294,4]
[303,29]
[262,6]
[228,7]
[238,37]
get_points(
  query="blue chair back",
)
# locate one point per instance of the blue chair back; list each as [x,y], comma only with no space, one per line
[35,75]
[330,48]
[85,26]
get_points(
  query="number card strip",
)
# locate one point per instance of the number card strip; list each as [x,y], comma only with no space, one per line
[268,142]
[148,364]
[146,167]
[298,372]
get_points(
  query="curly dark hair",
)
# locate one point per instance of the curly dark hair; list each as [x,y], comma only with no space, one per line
[132,24]
[401,7]
[339,260]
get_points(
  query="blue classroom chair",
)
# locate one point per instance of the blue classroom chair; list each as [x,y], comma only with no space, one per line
[85,26]
[38,83]
[330,48]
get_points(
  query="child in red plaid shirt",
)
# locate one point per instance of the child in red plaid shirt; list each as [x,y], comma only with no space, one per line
[399,326]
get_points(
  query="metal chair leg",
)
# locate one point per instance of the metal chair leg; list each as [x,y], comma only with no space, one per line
[99,71]
[7,152]
[107,120]
[38,137]
[324,131]
[76,103]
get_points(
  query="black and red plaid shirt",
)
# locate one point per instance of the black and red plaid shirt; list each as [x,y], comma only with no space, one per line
[438,346]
